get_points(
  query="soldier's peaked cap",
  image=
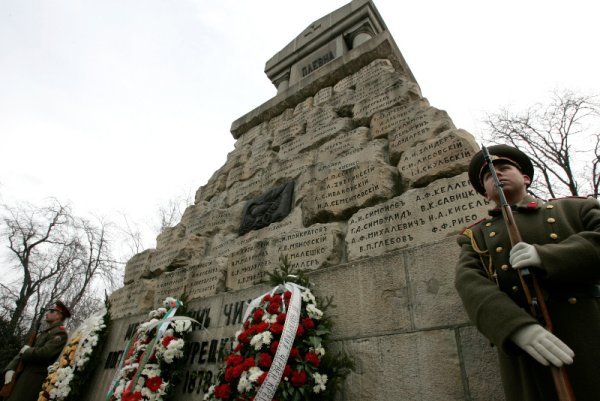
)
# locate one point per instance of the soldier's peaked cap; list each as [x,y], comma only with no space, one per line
[498,153]
[63,309]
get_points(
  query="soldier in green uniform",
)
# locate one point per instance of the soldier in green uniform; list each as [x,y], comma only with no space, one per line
[36,359]
[561,245]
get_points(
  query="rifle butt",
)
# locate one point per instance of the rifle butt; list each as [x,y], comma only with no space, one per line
[7,388]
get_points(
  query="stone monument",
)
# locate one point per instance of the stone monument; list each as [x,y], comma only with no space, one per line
[350,174]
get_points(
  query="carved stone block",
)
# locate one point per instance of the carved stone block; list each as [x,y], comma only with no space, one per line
[138,266]
[446,155]
[416,217]
[333,194]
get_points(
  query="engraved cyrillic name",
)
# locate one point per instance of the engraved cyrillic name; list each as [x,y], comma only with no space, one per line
[311,248]
[244,190]
[335,193]
[422,126]
[415,217]
[395,94]
[387,121]
[446,155]
[323,96]
[132,299]
[343,143]
[138,266]
[170,284]
[206,277]
[206,221]
[248,265]
[372,71]
[319,116]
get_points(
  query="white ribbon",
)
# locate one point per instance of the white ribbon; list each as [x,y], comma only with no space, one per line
[269,386]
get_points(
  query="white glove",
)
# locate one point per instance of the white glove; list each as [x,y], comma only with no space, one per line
[543,346]
[8,376]
[25,348]
[524,255]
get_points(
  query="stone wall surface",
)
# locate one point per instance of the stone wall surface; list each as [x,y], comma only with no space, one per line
[380,192]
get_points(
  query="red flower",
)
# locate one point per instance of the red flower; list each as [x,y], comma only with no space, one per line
[246,324]
[229,374]
[258,314]
[127,396]
[244,337]
[281,318]
[262,378]
[264,360]
[287,371]
[276,328]
[223,391]
[294,353]
[308,323]
[312,358]
[267,298]
[154,383]
[298,378]
[299,331]
[274,307]
[274,346]
[277,299]
[233,360]
[167,340]
[259,328]
[287,295]
[238,348]
[248,363]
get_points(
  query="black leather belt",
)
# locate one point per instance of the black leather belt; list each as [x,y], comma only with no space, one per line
[580,291]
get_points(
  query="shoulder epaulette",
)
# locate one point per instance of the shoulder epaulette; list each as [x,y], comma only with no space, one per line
[472,225]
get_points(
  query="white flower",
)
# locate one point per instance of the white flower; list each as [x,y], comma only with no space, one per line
[254,373]
[320,351]
[210,392]
[307,296]
[261,339]
[182,326]
[169,301]
[313,312]
[244,384]
[320,381]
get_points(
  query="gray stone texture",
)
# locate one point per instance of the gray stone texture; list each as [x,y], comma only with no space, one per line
[380,194]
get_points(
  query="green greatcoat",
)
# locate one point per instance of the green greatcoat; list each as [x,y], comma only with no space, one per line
[566,234]
[48,345]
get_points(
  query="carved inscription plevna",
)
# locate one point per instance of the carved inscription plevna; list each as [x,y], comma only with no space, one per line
[415,217]
[445,155]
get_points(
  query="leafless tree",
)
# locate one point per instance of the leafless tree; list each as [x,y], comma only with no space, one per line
[562,137]
[55,255]
[170,213]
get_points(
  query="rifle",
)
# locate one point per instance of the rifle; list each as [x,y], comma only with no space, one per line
[535,300]
[7,388]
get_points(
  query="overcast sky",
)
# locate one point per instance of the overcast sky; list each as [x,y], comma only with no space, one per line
[120,105]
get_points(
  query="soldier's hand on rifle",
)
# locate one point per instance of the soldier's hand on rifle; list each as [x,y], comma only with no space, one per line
[524,255]
[543,346]
[8,376]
